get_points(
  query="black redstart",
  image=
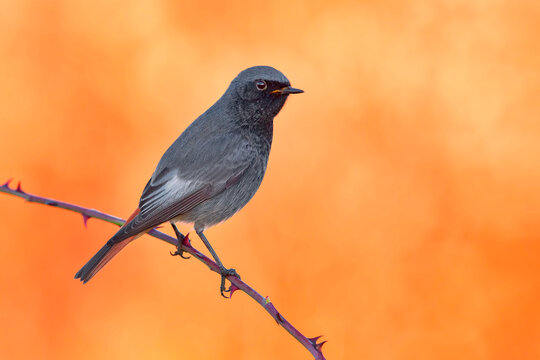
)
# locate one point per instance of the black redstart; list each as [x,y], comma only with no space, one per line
[213,169]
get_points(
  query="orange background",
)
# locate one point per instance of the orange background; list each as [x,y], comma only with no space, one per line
[399,216]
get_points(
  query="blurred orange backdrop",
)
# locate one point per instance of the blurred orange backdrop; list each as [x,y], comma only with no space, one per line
[399,216]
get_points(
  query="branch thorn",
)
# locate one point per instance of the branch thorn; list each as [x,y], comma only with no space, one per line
[85,219]
[319,345]
[7,183]
[19,189]
[232,289]
[185,241]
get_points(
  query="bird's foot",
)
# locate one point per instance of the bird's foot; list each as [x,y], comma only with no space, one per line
[224,273]
[179,252]
[181,238]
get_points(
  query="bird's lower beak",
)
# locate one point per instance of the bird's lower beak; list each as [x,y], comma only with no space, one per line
[287,90]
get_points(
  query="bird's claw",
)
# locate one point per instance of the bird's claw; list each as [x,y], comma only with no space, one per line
[224,273]
[179,252]
[180,237]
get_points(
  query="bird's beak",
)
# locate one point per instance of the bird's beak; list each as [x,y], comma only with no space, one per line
[287,90]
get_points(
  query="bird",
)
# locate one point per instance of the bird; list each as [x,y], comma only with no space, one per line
[212,170]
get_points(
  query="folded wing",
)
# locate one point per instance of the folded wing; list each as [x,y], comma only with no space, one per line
[184,180]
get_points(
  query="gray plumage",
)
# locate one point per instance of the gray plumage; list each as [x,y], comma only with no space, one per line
[214,167]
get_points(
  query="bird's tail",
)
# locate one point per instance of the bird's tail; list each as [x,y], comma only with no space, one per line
[104,255]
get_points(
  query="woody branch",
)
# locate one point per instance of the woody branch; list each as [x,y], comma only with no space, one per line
[236,284]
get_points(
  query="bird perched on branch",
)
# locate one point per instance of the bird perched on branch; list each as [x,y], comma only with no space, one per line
[212,170]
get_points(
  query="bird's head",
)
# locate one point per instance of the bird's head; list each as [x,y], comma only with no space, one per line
[261,92]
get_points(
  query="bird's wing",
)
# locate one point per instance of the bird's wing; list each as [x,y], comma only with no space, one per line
[179,184]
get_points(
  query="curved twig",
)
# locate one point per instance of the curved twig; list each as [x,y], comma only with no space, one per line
[236,284]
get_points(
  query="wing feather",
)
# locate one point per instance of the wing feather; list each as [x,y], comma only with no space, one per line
[180,184]
[157,215]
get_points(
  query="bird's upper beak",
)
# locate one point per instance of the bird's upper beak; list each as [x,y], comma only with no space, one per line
[287,90]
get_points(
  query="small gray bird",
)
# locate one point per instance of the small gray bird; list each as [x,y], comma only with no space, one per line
[212,170]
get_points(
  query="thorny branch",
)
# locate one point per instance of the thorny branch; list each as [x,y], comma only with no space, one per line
[236,284]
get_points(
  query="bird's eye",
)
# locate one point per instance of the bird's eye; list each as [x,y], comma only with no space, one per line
[261,85]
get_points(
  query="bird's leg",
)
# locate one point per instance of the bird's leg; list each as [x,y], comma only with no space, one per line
[180,237]
[223,271]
